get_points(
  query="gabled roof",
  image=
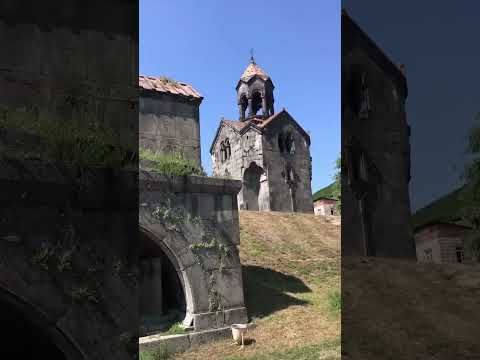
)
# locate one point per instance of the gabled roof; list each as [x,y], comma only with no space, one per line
[163,85]
[258,124]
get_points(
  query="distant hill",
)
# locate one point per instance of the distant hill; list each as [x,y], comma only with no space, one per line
[325,193]
[446,209]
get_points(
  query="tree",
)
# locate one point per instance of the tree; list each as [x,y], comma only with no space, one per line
[337,187]
[471,191]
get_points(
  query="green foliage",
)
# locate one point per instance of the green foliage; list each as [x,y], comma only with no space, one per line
[91,144]
[160,353]
[175,329]
[471,195]
[169,165]
[334,302]
[337,186]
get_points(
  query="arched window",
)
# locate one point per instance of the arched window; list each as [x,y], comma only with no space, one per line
[222,152]
[289,144]
[228,150]
[281,146]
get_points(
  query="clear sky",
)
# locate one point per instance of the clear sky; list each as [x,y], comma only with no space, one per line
[438,43]
[207,44]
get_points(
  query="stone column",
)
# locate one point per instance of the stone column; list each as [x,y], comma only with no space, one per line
[241,111]
[250,107]
[264,105]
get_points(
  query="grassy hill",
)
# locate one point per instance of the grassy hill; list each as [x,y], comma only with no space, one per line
[326,192]
[292,288]
[388,303]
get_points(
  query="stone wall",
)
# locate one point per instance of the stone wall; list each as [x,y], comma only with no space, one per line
[68,255]
[246,149]
[82,69]
[194,220]
[278,163]
[170,124]
[375,150]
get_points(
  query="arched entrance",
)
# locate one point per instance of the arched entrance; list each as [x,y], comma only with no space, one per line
[162,294]
[251,187]
[30,334]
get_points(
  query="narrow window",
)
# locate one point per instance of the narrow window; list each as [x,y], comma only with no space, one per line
[459,253]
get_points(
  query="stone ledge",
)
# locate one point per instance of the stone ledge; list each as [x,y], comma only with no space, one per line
[182,342]
[150,180]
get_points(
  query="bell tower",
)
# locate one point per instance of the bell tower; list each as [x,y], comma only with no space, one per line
[254,93]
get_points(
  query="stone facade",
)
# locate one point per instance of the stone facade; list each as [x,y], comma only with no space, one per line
[268,152]
[169,118]
[191,223]
[441,243]
[375,150]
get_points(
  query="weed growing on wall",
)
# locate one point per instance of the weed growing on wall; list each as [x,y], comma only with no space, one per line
[168,165]
[91,144]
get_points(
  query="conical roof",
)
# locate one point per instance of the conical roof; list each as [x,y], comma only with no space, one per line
[252,70]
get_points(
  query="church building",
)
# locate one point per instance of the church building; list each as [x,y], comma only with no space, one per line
[269,151]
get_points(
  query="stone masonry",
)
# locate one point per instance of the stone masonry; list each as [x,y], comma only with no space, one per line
[169,118]
[375,150]
[269,152]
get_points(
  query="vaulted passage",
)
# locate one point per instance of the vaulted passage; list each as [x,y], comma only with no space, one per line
[162,298]
[28,335]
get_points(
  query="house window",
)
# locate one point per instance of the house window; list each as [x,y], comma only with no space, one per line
[289,144]
[427,255]
[228,150]
[459,252]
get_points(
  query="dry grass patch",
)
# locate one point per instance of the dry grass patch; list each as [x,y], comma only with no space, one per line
[291,268]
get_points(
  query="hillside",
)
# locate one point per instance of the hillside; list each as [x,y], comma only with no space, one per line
[292,283]
[433,308]
[326,192]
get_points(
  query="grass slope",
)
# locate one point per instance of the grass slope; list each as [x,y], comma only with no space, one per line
[388,303]
[292,286]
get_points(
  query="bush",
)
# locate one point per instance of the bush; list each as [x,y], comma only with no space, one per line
[169,165]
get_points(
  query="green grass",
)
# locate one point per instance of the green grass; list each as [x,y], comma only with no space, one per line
[169,165]
[64,140]
[160,353]
[328,350]
[175,329]
[335,302]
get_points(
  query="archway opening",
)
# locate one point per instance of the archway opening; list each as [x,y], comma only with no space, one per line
[162,295]
[30,335]
[256,102]
[251,186]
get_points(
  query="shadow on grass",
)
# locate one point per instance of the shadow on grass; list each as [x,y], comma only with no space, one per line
[266,290]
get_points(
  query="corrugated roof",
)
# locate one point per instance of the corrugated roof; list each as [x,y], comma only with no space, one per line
[252,70]
[168,86]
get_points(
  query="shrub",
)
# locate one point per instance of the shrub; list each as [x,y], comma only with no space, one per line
[169,165]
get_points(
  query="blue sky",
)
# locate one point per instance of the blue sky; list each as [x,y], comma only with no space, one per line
[207,44]
[436,45]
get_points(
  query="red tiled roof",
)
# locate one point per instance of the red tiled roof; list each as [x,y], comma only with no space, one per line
[252,70]
[170,87]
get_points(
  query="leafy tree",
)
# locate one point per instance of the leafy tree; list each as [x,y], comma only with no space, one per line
[337,188]
[471,192]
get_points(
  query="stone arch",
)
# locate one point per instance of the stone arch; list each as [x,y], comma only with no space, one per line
[162,245]
[46,337]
